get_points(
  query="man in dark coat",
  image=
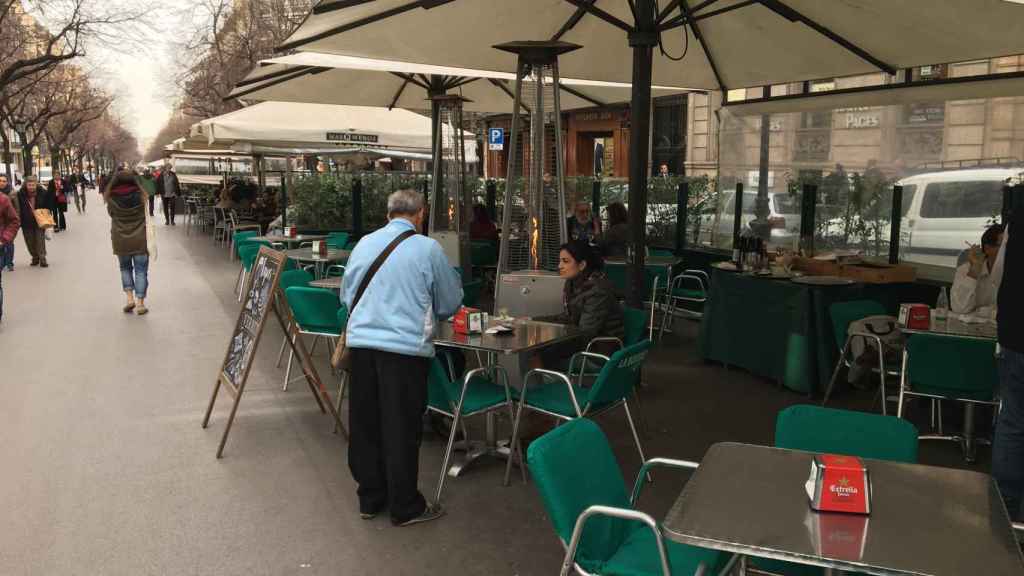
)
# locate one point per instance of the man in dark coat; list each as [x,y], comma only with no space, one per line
[30,198]
[170,188]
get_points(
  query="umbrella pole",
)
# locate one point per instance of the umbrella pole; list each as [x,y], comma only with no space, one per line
[643,40]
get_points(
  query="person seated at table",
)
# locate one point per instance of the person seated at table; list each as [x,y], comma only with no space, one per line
[582,225]
[614,242]
[590,304]
[974,291]
[482,227]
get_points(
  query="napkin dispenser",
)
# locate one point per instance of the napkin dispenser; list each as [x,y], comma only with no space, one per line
[468,321]
[839,484]
[915,316]
[320,248]
[290,231]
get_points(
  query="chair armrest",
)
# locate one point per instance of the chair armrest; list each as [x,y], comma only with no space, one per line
[583,365]
[657,463]
[334,267]
[1019,529]
[680,281]
[305,244]
[611,339]
[624,514]
[699,273]
[277,245]
[558,375]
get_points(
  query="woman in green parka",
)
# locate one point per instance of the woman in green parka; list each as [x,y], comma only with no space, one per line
[126,203]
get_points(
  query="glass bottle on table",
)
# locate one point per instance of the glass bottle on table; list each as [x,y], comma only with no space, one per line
[942,305]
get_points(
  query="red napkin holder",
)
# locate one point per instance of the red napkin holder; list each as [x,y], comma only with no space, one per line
[468,321]
[915,316]
[839,484]
[323,249]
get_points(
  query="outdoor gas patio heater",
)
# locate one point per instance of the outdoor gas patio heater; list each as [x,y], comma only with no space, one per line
[533,218]
[450,203]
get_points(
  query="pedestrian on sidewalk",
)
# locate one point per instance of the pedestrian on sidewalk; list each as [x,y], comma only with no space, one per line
[126,204]
[7,250]
[74,181]
[149,184]
[57,189]
[30,198]
[389,332]
[9,222]
[169,188]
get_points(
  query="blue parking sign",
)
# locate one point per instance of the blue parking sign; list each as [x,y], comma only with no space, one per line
[496,138]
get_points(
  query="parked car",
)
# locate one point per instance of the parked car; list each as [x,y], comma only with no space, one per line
[944,210]
[783,214]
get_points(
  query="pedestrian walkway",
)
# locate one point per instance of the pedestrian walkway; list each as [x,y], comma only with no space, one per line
[106,469]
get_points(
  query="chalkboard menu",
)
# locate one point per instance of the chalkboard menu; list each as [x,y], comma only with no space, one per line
[260,291]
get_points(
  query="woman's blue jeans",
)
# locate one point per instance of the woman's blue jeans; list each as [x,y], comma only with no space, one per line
[135,273]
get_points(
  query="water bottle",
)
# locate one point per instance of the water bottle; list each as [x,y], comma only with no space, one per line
[942,306]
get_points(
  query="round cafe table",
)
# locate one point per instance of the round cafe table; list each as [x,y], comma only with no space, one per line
[320,263]
[291,241]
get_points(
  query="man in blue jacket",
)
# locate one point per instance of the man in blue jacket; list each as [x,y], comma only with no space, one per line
[390,333]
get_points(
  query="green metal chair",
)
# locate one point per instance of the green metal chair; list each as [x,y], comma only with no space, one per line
[827,430]
[337,240]
[817,429]
[634,323]
[685,296]
[584,494]
[315,311]
[471,292]
[238,237]
[476,393]
[949,368]
[842,315]
[615,383]
[289,278]
[661,252]
[247,254]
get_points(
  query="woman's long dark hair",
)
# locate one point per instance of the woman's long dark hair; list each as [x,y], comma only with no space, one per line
[582,251]
[617,214]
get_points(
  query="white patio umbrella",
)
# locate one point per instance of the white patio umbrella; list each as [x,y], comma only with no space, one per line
[714,44]
[334,79]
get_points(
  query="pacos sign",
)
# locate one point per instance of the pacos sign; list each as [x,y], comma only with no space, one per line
[352,137]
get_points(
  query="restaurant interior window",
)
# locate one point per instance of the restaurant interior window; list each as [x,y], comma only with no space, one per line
[669,127]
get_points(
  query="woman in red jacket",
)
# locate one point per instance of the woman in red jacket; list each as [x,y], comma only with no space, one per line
[9,223]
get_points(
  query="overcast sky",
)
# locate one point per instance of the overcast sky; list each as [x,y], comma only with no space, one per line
[142,79]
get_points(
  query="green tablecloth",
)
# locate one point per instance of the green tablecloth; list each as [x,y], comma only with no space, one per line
[773,328]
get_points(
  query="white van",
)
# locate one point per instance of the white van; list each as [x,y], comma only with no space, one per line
[944,211]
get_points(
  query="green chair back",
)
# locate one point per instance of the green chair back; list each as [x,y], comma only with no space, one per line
[635,325]
[247,254]
[664,252]
[337,240]
[954,367]
[574,468]
[845,313]
[471,292]
[314,309]
[483,253]
[291,278]
[618,275]
[441,391]
[241,236]
[817,429]
[619,375]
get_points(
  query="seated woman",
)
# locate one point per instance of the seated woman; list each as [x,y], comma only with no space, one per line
[482,227]
[590,303]
[614,241]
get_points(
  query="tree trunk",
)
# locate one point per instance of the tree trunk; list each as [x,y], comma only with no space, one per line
[6,153]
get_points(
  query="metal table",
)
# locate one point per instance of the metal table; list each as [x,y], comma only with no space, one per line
[529,336]
[330,283]
[954,327]
[292,241]
[320,262]
[927,521]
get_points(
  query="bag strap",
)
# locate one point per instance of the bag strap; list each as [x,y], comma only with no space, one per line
[377,264]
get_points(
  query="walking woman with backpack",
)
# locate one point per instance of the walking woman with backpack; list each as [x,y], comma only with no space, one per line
[58,191]
[129,230]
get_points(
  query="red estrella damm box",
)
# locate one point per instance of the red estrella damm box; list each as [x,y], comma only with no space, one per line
[468,321]
[839,484]
[915,316]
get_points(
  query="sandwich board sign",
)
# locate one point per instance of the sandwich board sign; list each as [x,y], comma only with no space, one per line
[262,294]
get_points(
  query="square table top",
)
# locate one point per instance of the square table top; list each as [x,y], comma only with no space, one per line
[307,255]
[954,326]
[291,239]
[330,283]
[924,520]
[528,335]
